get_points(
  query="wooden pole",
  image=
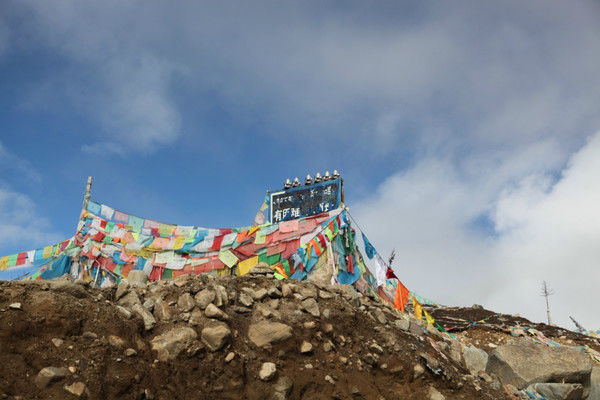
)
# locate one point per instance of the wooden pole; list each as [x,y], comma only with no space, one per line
[88,193]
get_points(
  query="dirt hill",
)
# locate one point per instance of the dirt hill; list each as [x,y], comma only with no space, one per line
[250,337]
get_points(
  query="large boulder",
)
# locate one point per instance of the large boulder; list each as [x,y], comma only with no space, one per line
[265,333]
[558,391]
[595,384]
[215,335]
[475,359]
[145,315]
[169,344]
[524,362]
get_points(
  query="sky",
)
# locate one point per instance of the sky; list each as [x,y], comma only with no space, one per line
[467,133]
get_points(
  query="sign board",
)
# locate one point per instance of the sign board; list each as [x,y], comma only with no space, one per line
[304,201]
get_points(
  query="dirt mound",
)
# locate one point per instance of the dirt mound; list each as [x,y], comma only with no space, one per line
[203,337]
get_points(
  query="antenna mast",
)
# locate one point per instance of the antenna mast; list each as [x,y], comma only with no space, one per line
[88,193]
[547,292]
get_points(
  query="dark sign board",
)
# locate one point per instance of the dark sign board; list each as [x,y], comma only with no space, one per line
[304,201]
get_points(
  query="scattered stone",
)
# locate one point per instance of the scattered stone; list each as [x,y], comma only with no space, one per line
[380,316]
[286,290]
[214,336]
[259,294]
[149,304]
[306,347]
[418,370]
[137,278]
[376,348]
[310,325]
[327,346]
[148,318]
[282,388]
[525,362]
[195,317]
[274,293]
[213,311]
[329,379]
[265,332]
[327,328]
[221,296]
[416,329]
[558,391]
[15,306]
[204,297]
[125,312]
[169,344]
[129,300]
[57,342]
[89,335]
[267,371]
[310,306]
[245,299]
[435,395]
[343,359]
[121,289]
[49,374]
[475,359]
[162,310]
[323,294]
[229,356]
[186,302]
[130,352]
[326,313]
[77,389]
[116,341]
[181,280]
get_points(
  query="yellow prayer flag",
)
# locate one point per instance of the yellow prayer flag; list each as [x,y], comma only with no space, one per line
[252,230]
[417,307]
[4,262]
[245,266]
[428,318]
[179,241]
[47,252]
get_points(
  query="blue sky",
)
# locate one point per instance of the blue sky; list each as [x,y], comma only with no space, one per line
[459,128]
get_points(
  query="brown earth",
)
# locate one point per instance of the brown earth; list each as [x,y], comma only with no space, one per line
[344,363]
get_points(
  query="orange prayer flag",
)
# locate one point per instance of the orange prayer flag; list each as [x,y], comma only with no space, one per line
[401,298]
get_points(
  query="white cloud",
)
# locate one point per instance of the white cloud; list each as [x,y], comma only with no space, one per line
[545,229]
[12,164]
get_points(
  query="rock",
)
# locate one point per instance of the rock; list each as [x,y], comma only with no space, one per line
[130,352]
[327,328]
[15,306]
[186,302]
[418,370]
[116,341]
[137,278]
[204,297]
[595,384]
[261,269]
[57,342]
[286,290]
[307,292]
[306,347]
[265,332]
[148,319]
[310,325]
[374,347]
[221,296]
[48,375]
[195,317]
[170,343]
[324,294]
[310,306]
[327,346]
[416,329]
[326,313]
[213,311]
[524,362]
[245,299]
[129,300]
[124,312]
[267,371]
[229,357]
[181,280]
[475,359]
[379,316]
[162,310]
[77,389]
[259,294]
[89,335]
[215,335]
[435,395]
[274,293]
[122,289]
[282,388]
[329,379]
[402,323]
[558,391]
[149,304]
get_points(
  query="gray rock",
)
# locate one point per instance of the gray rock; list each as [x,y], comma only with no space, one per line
[324,294]
[434,394]
[522,363]
[169,344]
[418,370]
[116,341]
[402,323]
[130,352]
[274,293]
[261,269]
[286,290]
[257,295]
[137,278]
[204,297]
[148,318]
[121,289]
[282,388]
[229,357]
[213,311]
[57,342]
[307,291]
[267,371]
[374,347]
[186,302]
[306,347]
[149,304]
[595,384]
[475,359]
[162,310]
[77,389]
[222,298]
[215,335]
[195,317]
[558,391]
[48,375]
[416,329]
[89,335]
[129,300]
[125,312]
[380,316]
[245,299]
[310,306]
[265,333]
